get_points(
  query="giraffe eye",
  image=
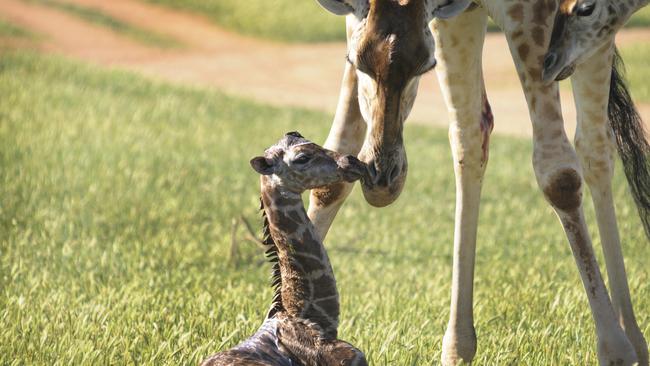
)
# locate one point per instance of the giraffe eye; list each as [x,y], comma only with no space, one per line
[301,159]
[585,9]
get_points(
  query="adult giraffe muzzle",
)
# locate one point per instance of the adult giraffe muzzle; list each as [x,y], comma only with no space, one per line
[390,46]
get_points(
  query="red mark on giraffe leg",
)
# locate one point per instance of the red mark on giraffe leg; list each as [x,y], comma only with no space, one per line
[487,124]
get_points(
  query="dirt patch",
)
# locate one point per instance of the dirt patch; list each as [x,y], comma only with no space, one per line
[287,75]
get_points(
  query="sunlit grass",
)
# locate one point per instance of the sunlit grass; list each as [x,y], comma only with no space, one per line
[116,201]
[638,74]
[285,20]
[641,18]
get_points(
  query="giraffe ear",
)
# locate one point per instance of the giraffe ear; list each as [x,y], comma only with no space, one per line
[262,165]
[340,7]
[450,8]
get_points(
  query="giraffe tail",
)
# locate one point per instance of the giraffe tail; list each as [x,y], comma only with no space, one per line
[631,142]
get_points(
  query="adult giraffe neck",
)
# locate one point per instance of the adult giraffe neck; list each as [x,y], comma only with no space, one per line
[307,283]
[627,9]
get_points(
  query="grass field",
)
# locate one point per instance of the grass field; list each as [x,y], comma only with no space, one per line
[10,30]
[116,200]
[638,74]
[641,18]
[102,19]
[285,20]
[294,21]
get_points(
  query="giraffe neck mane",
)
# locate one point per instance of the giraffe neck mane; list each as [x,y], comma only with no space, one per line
[272,256]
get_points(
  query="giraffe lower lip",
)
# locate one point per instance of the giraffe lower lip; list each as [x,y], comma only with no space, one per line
[566,72]
[380,196]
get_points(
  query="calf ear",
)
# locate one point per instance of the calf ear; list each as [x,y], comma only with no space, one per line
[450,8]
[262,165]
[340,7]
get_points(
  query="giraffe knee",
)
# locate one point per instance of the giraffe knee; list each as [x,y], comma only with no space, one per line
[564,189]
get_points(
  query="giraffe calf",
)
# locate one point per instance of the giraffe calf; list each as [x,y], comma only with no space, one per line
[301,326]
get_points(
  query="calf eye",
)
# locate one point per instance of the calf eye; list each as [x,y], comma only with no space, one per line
[301,159]
[585,9]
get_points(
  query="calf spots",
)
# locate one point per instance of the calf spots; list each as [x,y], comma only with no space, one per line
[328,195]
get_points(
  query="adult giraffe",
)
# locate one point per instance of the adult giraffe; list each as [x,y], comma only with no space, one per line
[582,30]
[385,54]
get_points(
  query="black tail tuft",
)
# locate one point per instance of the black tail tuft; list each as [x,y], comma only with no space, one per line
[630,140]
[272,256]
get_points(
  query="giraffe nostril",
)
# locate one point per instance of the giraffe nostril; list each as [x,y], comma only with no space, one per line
[372,170]
[550,60]
[394,173]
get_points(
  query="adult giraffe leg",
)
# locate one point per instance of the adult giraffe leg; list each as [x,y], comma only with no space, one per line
[459,43]
[558,171]
[346,136]
[596,149]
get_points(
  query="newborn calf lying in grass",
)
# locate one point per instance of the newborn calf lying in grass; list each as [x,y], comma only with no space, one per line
[301,326]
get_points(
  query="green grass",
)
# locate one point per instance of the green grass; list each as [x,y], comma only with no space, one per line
[102,19]
[640,19]
[294,21]
[635,58]
[284,20]
[638,74]
[8,29]
[116,200]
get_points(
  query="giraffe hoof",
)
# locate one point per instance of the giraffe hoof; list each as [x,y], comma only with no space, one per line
[458,348]
[617,352]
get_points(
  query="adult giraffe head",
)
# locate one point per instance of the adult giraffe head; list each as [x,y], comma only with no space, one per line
[581,28]
[390,46]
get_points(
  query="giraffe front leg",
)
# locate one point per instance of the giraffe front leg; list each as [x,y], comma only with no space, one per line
[346,136]
[461,80]
[559,174]
[559,177]
[595,146]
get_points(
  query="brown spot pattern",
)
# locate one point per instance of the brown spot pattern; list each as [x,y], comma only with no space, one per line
[516,13]
[538,36]
[328,195]
[563,191]
[542,9]
[523,51]
[584,253]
